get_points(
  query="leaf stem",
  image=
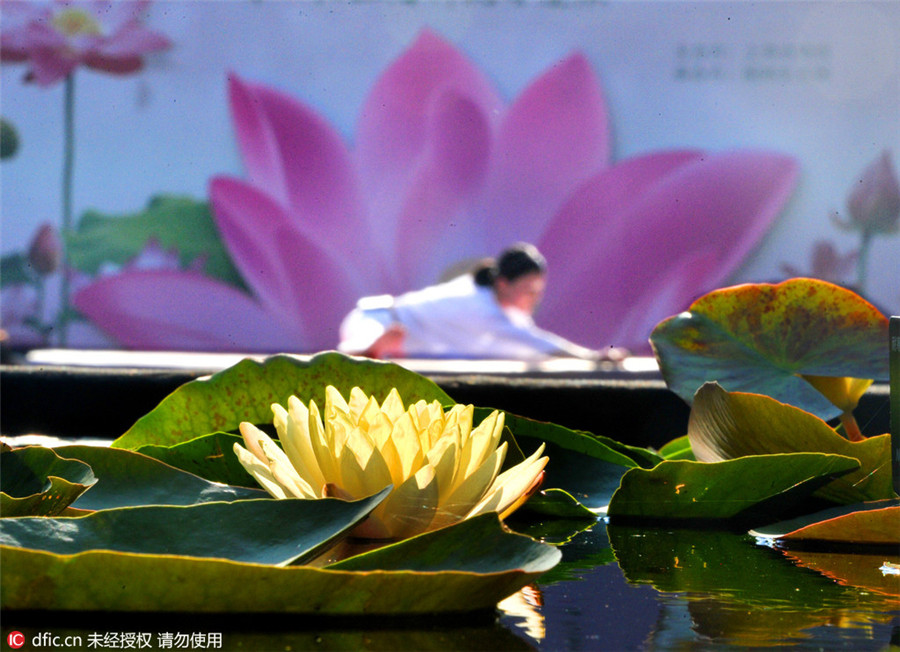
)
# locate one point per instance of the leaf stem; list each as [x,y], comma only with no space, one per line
[862,261]
[67,182]
[851,427]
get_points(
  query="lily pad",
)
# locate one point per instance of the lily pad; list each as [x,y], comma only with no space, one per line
[479,544]
[128,479]
[115,581]
[557,502]
[876,523]
[727,425]
[678,449]
[262,531]
[747,491]
[596,446]
[760,337]
[210,456]
[246,391]
[36,481]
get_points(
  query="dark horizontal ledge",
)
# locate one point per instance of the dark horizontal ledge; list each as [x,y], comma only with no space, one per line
[635,408]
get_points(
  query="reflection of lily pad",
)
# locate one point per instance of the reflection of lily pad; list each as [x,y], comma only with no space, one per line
[747,490]
[127,479]
[855,569]
[727,425]
[264,531]
[759,337]
[115,581]
[713,562]
[37,481]
[246,391]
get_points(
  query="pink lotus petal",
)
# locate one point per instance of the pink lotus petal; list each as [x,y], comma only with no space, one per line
[394,126]
[296,157]
[132,39]
[319,289]
[450,172]
[579,229]
[48,66]
[554,137]
[719,204]
[256,140]
[54,52]
[174,310]
[294,277]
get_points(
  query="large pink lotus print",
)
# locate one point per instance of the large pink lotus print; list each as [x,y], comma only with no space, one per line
[442,170]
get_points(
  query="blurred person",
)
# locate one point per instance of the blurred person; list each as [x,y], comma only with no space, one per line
[486,313]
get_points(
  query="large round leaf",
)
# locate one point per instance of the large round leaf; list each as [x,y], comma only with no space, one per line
[476,544]
[209,456]
[587,467]
[128,479]
[875,523]
[747,491]
[727,425]
[38,481]
[246,391]
[115,581]
[263,531]
[760,337]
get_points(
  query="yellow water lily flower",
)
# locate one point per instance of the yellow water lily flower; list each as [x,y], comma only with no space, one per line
[443,470]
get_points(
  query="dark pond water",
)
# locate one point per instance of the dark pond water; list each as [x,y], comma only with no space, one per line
[617,588]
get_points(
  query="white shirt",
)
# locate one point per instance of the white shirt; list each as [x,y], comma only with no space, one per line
[456,319]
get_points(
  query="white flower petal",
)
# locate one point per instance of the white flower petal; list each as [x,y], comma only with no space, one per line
[259,471]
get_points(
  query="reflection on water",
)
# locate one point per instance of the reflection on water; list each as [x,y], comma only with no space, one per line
[697,589]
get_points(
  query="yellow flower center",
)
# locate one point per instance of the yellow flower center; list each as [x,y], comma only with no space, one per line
[76,22]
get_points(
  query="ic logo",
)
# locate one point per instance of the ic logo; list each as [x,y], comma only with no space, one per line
[15,640]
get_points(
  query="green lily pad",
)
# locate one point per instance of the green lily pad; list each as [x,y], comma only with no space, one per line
[36,481]
[479,544]
[261,531]
[557,502]
[875,523]
[246,391]
[678,449]
[210,456]
[585,466]
[759,337]
[129,479]
[116,581]
[596,446]
[179,223]
[748,490]
[727,425]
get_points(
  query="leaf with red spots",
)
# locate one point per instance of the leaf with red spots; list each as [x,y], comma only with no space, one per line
[761,337]
[247,390]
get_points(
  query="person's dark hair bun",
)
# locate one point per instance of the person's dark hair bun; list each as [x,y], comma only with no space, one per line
[486,273]
[520,259]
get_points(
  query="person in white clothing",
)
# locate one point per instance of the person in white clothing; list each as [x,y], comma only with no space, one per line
[483,314]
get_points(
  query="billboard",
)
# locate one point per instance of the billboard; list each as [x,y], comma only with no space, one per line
[234,176]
